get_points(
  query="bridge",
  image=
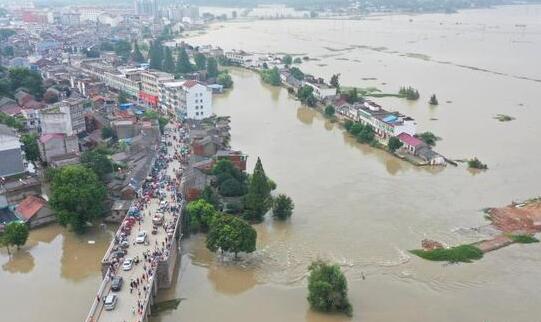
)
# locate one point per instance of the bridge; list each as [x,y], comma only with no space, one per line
[158,254]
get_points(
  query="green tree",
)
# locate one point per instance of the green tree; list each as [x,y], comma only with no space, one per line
[107,132]
[122,97]
[123,49]
[77,196]
[97,162]
[366,135]
[297,73]
[297,60]
[156,55]
[287,59]
[271,76]
[168,62]
[329,111]
[409,93]
[352,96]
[212,67]
[200,215]
[15,233]
[183,64]
[433,100]
[232,235]
[282,207]
[348,124]
[258,199]
[224,79]
[211,197]
[200,61]
[394,144]
[231,188]
[428,138]
[30,146]
[137,56]
[11,121]
[327,289]
[476,164]
[356,128]
[335,81]
[24,77]
[306,95]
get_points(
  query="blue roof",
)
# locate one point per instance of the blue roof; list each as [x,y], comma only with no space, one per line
[390,118]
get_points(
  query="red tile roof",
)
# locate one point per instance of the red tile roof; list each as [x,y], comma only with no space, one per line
[30,207]
[190,83]
[410,140]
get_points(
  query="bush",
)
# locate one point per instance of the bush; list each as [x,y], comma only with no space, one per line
[428,138]
[231,188]
[462,253]
[524,239]
[282,207]
[476,164]
[394,144]
[329,111]
[327,289]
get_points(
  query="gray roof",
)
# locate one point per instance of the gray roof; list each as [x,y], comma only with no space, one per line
[11,162]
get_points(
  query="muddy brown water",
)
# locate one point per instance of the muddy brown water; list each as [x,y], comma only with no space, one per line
[356,206]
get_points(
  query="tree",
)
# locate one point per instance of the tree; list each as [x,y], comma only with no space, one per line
[123,49]
[477,164]
[352,96]
[394,144]
[329,111]
[409,93]
[271,76]
[137,56]
[77,196]
[335,81]
[224,79]
[211,197]
[200,61]
[200,215]
[153,115]
[24,77]
[428,138]
[297,73]
[306,95]
[282,207]
[184,65]
[15,233]
[122,97]
[232,235]
[433,100]
[107,132]
[97,162]
[258,199]
[348,124]
[156,55]
[287,59]
[297,60]
[168,62]
[212,67]
[30,146]
[366,135]
[327,288]
[231,188]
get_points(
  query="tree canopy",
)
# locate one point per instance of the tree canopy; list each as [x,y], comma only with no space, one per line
[28,79]
[282,207]
[200,215]
[200,61]
[335,80]
[98,162]
[271,76]
[258,199]
[224,79]
[15,234]
[156,55]
[232,235]
[297,73]
[183,64]
[287,59]
[394,144]
[306,95]
[136,55]
[428,138]
[77,196]
[30,146]
[212,67]
[327,288]
[329,111]
[168,62]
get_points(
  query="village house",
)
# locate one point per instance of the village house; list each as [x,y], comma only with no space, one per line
[240,57]
[35,212]
[322,90]
[12,162]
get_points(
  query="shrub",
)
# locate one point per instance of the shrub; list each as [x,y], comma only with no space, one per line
[462,253]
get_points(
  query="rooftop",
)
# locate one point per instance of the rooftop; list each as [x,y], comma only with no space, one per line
[30,206]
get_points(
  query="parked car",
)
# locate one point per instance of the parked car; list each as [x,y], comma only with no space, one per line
[157,219]
[116,283]
[127,264]
[141,237]
[110,302]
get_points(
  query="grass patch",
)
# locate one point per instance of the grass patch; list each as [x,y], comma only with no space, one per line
[524,239]
[458,254]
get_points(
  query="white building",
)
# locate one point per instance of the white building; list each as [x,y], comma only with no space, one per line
[187,99]
[63,117]
[322,90]
[11,160]
[241,57]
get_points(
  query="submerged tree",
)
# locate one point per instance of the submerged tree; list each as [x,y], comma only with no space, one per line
[433,100]
[327,288]
[394,144]
[15,234]
[282,207]
[258,199]
[335,81]
[232,235]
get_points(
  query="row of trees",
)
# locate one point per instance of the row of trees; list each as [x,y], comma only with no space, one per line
[363,132]
[409,93]
[271,76]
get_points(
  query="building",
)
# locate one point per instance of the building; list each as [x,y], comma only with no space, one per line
[150,85]
[146,8]
[410,143]
[11,159]
[186,99]
[65,117]
[240,57]
[55,146]
[322,90]
[35,212]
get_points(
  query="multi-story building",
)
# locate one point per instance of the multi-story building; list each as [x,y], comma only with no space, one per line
[11,160]
[240,57]
[150,85]
[322,90]
[187,99]
[63,117]
[146,7]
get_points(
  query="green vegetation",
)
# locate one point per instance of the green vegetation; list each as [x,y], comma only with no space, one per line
[163,306]
[258,200]
[297,73]
[123,49]
[287,59]
[200,215]
[168,62]
[348,124]
[335,81]
[97,161]
[77,196]
[30,146]
[211,197]
[232,235]
[306,95]
[329,111]
[504,118]
[156,55]
[282,207]
[363,132]
[409,92]
[352,96]
[15,234]
[297,60]
[462,253]
[153,115]
[271,76]
[394,144]
[476,164]
[224,79]
[433,100]
[524,239]
[122,97]
[428,138]
[327,289]
[200,61]
[231,181]
[212,67]
[24,78]
[183,64]
[136,55]
[107,132]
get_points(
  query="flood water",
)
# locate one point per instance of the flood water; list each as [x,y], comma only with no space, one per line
[361,207]
[356,206]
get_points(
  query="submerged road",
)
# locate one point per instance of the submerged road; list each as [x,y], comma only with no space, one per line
[157,253]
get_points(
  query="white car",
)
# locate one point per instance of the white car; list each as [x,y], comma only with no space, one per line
[110,302]
[141,237]
[127,264]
